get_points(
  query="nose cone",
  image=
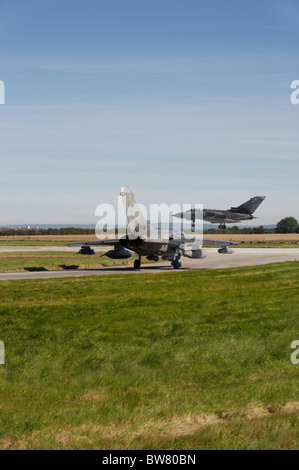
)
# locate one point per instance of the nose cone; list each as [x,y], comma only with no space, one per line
[179,215]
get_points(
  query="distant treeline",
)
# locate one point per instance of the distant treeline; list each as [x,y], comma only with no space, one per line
[287,225]
[237,230]
[91,231]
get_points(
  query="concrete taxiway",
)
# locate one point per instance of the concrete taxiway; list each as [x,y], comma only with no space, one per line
[241,257]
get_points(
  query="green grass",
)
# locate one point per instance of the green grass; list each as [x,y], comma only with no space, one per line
[181,360]
[18,261]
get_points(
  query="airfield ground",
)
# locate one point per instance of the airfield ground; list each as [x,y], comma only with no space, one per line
[183,360]
[34,263]
[194,359]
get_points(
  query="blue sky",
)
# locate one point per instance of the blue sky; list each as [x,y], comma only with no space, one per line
[184,101]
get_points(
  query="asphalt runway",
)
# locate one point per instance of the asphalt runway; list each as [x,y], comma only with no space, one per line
[241,257]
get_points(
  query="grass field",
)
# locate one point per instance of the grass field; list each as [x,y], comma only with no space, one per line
[20,261]
[188,360]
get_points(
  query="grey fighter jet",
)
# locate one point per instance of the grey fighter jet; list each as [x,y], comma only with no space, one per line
[223,217]
[142,239]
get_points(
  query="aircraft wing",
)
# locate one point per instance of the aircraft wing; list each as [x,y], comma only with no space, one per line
[167,241]
[175,242]
[210,242]
[116,241]
[109,242]
[171,242]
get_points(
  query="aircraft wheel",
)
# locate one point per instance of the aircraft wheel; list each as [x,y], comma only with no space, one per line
[176,264]
[137,264]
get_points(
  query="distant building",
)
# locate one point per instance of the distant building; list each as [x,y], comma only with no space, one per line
[27,228]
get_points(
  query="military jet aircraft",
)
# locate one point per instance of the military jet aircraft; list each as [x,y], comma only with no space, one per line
[140,239]
[222,217]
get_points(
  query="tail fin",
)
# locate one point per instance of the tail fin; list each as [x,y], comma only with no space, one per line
[250,206]
[136,221]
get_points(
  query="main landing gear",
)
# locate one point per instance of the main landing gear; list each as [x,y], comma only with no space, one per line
[222,227]
[176,263]
[137,263]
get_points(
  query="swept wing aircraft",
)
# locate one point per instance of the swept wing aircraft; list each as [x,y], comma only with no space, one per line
[140,240]
[223,217]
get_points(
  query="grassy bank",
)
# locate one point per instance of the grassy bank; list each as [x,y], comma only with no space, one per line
[22,261]
[178,361]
